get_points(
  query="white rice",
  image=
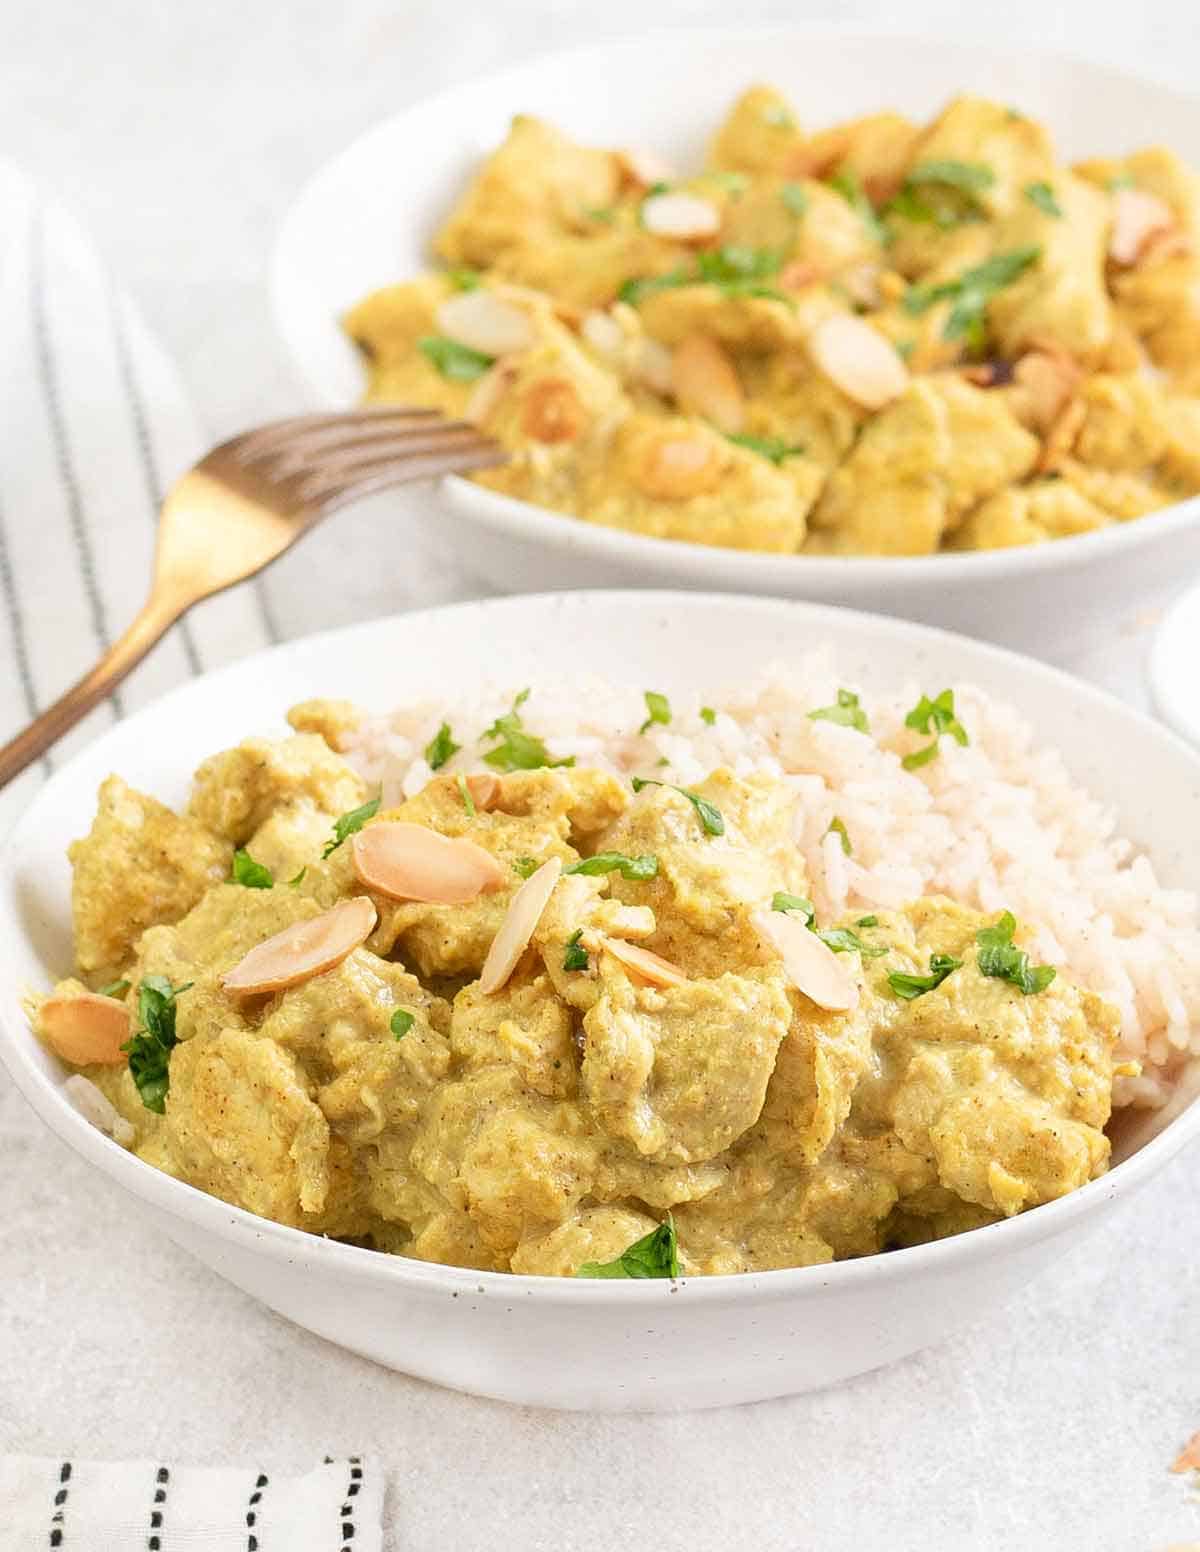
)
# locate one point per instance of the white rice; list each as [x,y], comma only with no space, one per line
[997,825]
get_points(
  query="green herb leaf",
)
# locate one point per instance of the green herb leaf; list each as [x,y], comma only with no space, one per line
[635,291]
[656,1255]
[971,293]
[659,708]
[707,715]
[733,269]
[842,941]
[402,1021]
[115,989]
[1121,180]
[935,716]
[999,957]
[464,279]
[734,183]
[776,449]
[294,883]
[837,827]
[574,954]
[710,816]
[867,921]
[1042,195]
[794,197]
[464,792]
[458,363]
[782,901]
[967,177]
[441,747]
[149,1050]
[251,874]
[847,185]
[635,869]
[518,750]
[349,824]
[846,713]
[605,214]
[525,867]
[908,986]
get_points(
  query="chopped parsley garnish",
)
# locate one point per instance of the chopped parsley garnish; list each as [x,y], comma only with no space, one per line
[1121,180]
[971,293]
[458,362]
[944,193]
[655,1255]
[518,750]
[1042,195]
[349,824]
[847,185]
[968,177]
[838,827]
[464,279]
[735,271]
[251,874]
[905,348]
[776,449]
[794,197]
[935,716]
[782,901]
[735,184]
[635,869]
[998,956]
[574,954]
[602,213]
[441,747]
[294,883]
[149,1050]
[658,709]
[908,986]
[846,712]
[525,867]
[116,989]
[867,921]
[402,1021]
[707,715]
[842,941]
[710,816]
[635,291]
[464,792]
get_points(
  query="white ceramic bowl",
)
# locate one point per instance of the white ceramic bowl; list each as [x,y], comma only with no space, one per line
[547,1341]
[366,219]
[1174,659]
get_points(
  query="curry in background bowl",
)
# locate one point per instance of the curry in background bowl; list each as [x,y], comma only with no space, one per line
[879,338]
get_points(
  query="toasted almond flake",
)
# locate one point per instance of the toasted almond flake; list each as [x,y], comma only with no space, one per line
[412,862]
[553,411]
[644,167]
[686,217]
[1189,1457]
[858,360]
[602,332]
[486,396]
[1137,217]
[798,274]
[861,283]
[706,383]
[677,467]
[484,322]
[484,789]
[86,1030]
[644,964]
[1168,244]
[1045,380]
[95,1107]
[518,926]
[1061,437]
[654,366]
[298,953]
[812,966]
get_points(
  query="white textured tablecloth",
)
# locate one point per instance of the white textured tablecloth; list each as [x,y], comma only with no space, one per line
[178,133]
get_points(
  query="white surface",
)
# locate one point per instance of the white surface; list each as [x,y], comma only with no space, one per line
[180,134]
[655,1346]
[368,218]
[1174,667]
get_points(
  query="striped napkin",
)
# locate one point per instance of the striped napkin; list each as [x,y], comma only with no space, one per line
[144,1506]
[94,427]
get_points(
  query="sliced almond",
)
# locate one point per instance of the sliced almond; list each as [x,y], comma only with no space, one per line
[643,964]
[653,366]
[685,217]
[484,322]
[1137,217]
[645,167]
[1045,380]
[95,1107]
[798,274]
[553,411]
[675,468]
[518,926]
[1188,1458]
[488,393]
[812,966]
[1060,439]
[484,789]
[298,953]
[602,332]
[706,383]
[86,1030]
[412,862]
[861,284]
[859,360]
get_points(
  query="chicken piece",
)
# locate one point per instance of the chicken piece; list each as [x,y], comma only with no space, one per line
[816,1072]
[681,1072]
[235,792]
[580,908]
[1161,303]
[139,864]
[291,839]
[1029,514]
[1122,495]
[335,721]
[1181,451]
[524,1026]
[743,322]
[387,326]
[875,151]
[805,222]
[595,1234]
[1155,170]
[1015,150]
[1125,424]
[1062,296]
[758,134]
[789,400]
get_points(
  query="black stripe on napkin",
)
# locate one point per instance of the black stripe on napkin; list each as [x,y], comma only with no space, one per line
[347,1510]
[62,451]
[161,1478]
[16,617]
[252,1511]
[58,1518]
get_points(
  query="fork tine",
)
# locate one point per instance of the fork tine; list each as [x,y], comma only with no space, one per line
[252,445]
[342,455]
[333,490]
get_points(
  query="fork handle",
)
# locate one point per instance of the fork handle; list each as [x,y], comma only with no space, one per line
[155,619]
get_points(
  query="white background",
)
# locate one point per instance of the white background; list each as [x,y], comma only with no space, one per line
[179,132]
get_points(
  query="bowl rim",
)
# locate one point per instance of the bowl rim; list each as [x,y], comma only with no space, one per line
[750,568]
[299,1248]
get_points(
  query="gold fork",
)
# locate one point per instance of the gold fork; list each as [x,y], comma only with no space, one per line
[246,503]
